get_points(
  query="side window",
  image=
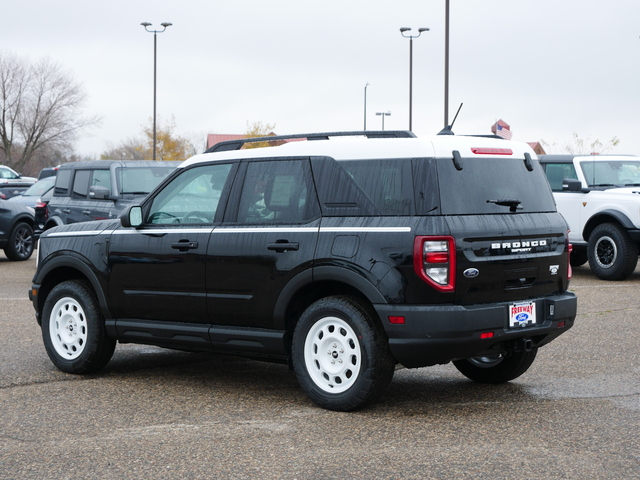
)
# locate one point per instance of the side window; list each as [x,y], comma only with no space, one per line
[192,197]
[557,172]
[390,189]
[62,182]
[81,184]
[276,192]
[101,178]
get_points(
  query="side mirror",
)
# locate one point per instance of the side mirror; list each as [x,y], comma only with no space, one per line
[571,185]
[131,217]
[98,192]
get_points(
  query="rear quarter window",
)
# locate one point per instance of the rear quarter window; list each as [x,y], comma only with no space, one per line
[63,180]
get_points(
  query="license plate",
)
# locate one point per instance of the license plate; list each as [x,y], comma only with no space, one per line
[522,314]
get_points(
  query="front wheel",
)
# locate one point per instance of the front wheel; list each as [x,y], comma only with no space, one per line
[341,354]
[20,246]
[497,368]
[73,329]
[613,255]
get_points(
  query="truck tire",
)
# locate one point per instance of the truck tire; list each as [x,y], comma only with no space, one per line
[613,255]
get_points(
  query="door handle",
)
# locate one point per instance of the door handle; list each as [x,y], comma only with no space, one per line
[86,212]
[184,245]
[281,246]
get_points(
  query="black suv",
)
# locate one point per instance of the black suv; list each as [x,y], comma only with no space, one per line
[101,189]
[342,258]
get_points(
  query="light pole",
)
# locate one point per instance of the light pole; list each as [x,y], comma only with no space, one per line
[411,37]
[384,114]
[446,65]
[365,106]
[146,26]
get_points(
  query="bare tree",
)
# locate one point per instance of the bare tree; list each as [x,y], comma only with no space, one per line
[40,106]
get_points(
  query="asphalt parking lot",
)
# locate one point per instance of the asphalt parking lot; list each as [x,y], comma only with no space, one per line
[155,413]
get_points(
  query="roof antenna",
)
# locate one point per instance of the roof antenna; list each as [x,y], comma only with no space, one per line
[447,130]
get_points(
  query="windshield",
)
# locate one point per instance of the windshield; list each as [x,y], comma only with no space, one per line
[141,180]
[611,173]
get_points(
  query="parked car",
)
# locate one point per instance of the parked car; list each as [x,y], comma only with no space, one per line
[342,259]
[101,189]
[34,193]
[48,172]
[12,183]
[16,230]
[41,214]
[599,197]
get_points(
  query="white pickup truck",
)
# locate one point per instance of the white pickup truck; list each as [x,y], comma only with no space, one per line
[599,197]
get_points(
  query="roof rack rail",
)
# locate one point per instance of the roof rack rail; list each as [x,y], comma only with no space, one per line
[239,143]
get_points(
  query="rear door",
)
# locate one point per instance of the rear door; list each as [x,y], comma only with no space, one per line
[268,237]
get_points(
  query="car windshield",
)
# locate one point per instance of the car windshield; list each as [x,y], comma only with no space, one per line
[611,173]
[141,180]
[40,188]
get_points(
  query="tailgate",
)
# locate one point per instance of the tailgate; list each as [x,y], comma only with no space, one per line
[509,257]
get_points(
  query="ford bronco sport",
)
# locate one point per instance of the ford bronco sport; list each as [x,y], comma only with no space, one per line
[342,257]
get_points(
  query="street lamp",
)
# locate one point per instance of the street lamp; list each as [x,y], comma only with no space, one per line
[365,106]
[146,26]
[411,37]
[384,114]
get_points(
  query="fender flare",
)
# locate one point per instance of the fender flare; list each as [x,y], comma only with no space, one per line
[72,260]
[319,274]
[621,218]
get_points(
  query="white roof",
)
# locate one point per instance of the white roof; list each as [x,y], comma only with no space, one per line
[370,148]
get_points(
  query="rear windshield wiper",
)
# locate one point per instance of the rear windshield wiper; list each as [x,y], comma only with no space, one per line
[512,203]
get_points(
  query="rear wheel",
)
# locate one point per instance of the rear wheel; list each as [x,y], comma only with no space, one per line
[613,255]
[578,257]
[73,329]
[496,368]
[341,354]
[20,246]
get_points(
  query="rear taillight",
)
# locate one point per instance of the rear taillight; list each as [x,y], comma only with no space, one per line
[434,261]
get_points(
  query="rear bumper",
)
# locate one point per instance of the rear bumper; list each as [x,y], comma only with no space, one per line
[441,333]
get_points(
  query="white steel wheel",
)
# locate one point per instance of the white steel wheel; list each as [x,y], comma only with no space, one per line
[340,354]
[73,329]
[332,355]
[68,328]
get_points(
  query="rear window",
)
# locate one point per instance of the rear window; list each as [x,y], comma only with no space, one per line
[483,182]
[62,182]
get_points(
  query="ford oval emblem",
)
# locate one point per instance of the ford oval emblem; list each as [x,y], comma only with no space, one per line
[471,272]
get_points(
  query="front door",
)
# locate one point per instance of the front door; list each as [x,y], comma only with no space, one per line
[158,269]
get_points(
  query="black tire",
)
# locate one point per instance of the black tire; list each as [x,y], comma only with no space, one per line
[613,255]
[73,329]
[578,257]
[20,246]
[341,354]
[496,368]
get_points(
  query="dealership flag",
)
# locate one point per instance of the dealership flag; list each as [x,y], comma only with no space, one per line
[502,129]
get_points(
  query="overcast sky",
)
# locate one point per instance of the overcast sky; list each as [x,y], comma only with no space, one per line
[548,68]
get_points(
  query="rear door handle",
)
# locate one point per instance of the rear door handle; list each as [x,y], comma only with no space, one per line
[184,245]
[281,246]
